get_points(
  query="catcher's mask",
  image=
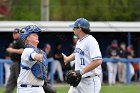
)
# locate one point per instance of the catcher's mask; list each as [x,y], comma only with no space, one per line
[26,31]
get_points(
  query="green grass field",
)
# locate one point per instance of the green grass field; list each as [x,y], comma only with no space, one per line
[118,88]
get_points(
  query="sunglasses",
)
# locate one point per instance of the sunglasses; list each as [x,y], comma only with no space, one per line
[76,28]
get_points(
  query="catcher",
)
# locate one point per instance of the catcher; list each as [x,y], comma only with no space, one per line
[86,76]
[33,64]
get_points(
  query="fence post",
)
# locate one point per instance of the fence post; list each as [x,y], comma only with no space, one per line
[128,72]
[52,76]
[1,74]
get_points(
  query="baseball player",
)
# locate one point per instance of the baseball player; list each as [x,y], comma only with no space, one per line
[121,66]
[112,52]
[87,58]
[15,50]
[27,81]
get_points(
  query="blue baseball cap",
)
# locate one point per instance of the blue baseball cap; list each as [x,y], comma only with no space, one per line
[81,22]
[27,30]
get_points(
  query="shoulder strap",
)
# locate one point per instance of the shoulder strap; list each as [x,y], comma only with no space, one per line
[24,67]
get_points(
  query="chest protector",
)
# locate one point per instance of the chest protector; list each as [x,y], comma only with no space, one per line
[39,69]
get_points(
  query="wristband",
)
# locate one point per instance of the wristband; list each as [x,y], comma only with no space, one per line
[81,72]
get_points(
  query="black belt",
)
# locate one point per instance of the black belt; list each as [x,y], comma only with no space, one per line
[24,85]
[91,76]
[88,77]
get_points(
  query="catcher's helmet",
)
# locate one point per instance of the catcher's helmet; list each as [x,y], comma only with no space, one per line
[81,22]
[26,31]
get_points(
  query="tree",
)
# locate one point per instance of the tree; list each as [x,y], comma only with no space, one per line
[96,10]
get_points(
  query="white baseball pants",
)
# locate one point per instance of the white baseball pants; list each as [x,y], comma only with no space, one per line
[30,90]
[87,85]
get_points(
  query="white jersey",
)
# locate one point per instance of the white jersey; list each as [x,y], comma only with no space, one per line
[87,50]
[26,76]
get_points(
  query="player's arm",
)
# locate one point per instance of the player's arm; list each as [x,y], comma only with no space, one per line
[68,59]
[12,50]
[37,56]
[92,65]
[95,55]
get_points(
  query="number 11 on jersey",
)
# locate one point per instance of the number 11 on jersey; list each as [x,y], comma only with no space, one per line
[82,61]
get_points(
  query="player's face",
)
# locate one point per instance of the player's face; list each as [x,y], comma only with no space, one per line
[123,46]
[47,49]
[76,30]
[16,35]
[33,38]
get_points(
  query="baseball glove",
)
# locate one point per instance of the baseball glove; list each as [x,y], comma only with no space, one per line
[49,88]
[73,77]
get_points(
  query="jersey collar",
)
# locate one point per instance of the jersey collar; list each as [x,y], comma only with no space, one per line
[30,46]
[83,38]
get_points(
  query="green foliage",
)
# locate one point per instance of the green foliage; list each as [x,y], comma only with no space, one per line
[118,88]
[25,10]
[97,10]
[67,10]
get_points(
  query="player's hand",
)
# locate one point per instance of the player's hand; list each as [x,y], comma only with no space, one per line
[10,50]
[65,59]
[40,57]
